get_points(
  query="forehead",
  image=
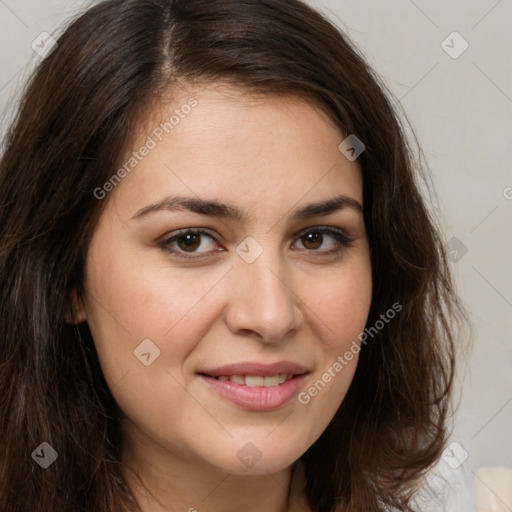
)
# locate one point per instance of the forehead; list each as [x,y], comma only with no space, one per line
[222,142]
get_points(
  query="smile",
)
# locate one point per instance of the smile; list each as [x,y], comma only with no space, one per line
[256,393]
[256,380]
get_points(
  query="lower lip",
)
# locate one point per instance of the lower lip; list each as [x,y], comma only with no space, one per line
[258,398]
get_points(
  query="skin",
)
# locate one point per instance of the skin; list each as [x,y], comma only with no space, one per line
[268,157]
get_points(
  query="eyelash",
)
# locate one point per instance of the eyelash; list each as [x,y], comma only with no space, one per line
[342,239]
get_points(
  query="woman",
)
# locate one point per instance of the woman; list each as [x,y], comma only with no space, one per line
[221,287]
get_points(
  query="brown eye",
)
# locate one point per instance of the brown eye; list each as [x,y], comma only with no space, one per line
[312,240]
[194,242]
[189,242]
[315,238]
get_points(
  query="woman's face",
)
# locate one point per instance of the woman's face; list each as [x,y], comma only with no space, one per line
[268,289]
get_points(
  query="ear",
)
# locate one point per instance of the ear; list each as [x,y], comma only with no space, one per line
[76,313]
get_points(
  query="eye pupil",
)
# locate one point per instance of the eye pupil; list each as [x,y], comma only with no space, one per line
[315,238]
[191,241]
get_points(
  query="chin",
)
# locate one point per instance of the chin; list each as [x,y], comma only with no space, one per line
[251,460]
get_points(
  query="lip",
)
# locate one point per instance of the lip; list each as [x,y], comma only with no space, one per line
[258,398]
[256,369]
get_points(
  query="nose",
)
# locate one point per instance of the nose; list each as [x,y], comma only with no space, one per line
[262,302]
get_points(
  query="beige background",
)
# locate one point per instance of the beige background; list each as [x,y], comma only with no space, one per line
[461,110]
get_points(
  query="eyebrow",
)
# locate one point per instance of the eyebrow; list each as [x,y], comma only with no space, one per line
[214,208]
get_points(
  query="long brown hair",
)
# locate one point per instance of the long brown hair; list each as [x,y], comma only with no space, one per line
[74,122]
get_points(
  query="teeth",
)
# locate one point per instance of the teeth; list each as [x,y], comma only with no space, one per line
[255,381]
[270,381]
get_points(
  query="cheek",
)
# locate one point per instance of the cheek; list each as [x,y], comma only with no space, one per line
[130,301]
[342,305]
[146,300]
[340,309]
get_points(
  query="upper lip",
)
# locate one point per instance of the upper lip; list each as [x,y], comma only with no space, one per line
[256,369]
